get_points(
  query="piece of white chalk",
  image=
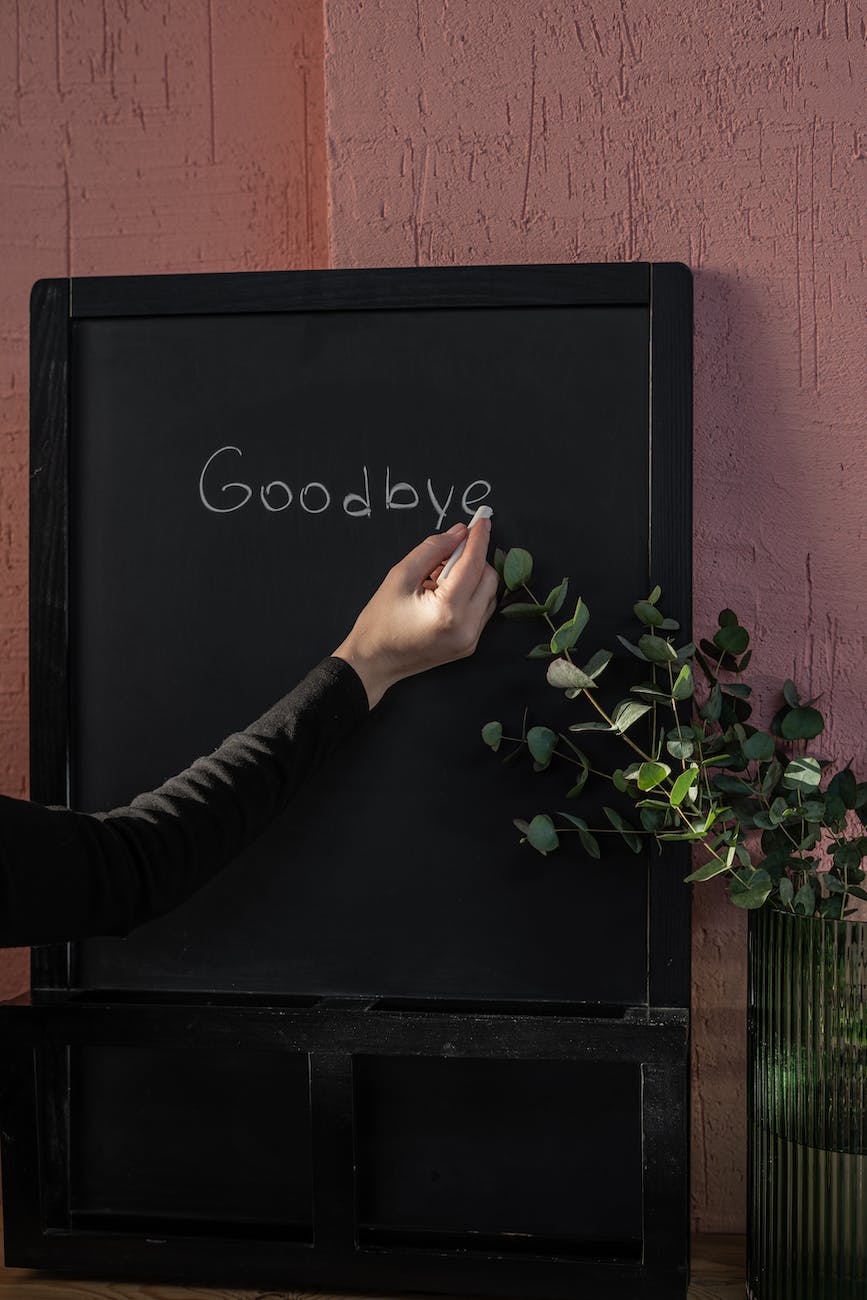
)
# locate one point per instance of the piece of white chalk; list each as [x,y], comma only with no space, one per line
[483,512]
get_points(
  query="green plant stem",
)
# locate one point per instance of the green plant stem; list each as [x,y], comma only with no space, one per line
[568,757]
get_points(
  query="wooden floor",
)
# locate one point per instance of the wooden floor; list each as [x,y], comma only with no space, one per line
[717,1272]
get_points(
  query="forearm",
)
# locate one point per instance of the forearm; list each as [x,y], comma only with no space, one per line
[70,875]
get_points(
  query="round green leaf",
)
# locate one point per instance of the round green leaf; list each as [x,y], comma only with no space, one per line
[541,742]
[728,618]
[541,651]
[759,747]
[844,785]
[657,649]
[649,615]
[492,734]
[800,774]
[564,675]
[651,774]
[755,893]
[805,900]
[517,568]
[680,748]
[732,638]
[541,833]
[802,724]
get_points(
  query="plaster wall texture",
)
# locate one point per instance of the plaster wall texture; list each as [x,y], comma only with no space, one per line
[729,137]
[136,137]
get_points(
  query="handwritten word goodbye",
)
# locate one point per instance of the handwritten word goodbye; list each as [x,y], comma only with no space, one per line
[315,497]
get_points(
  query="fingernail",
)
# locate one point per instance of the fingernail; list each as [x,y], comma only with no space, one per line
[456,528]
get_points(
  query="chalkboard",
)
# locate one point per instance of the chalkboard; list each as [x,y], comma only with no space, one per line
[364,1055]
[350,430]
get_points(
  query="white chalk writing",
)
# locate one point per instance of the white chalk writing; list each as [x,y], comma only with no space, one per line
[314,497]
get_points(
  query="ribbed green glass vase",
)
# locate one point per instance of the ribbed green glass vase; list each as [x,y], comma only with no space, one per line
[807,1135]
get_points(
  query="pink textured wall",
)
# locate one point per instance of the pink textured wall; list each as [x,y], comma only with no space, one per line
[722,135]
[138,137]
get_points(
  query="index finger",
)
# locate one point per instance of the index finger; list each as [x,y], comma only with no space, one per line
[464,576]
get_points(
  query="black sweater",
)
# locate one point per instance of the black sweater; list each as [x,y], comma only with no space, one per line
[72,875]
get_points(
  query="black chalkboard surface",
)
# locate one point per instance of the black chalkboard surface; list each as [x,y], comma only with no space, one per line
[389,1046]
[196,604]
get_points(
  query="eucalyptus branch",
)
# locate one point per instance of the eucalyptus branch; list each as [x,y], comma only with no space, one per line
[673,803]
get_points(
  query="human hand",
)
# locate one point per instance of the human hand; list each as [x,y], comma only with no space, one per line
[412,623]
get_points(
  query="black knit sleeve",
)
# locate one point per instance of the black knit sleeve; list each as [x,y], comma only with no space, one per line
[71,875]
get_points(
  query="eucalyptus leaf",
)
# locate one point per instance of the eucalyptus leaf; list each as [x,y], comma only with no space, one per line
[541,742]
[499,560]
[564,675]
[844,785]
[626,713]
[707,871]
[556,597]
[790,693]
[684,685]
[541,651]
[576,821]
[682,786]
[517,568]
[651,775]
[786,890]
[652,819]
[712,706]
[657,649]
[568,633]
[759,747]
[589,726]
[732,638]
[802,774]
[633,649]
[805,900]
[492,734]
[681,749]
[542,834]
[802,724]
[522,610]
[654,595]
[597,663]
[756,892]
[648,614]
[589,843]
[625,829]
[771,777]
[728,618]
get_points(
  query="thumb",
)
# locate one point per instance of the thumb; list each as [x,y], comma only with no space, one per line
[424,558]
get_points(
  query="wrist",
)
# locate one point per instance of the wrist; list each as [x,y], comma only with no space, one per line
[368,667]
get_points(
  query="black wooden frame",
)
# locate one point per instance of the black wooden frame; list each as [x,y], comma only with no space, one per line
[37,1032]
